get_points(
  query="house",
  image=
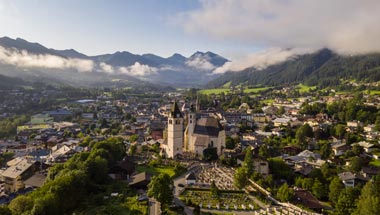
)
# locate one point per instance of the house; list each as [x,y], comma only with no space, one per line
[16,174]
[354,124]
[281,122]
[369,128]
[190,178]
[261,166]
[340,148]
[60,154]
[305,198]
[350,179]
[140,181]
[370,171]
[368,147]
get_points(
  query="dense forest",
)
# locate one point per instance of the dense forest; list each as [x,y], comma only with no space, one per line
[323,68]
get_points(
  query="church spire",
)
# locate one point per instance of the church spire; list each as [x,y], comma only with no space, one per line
[175,112]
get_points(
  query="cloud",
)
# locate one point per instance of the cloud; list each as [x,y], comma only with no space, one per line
[26,60]
[106,68]
[138,69]
[261,60]
[346,26]
[200,62]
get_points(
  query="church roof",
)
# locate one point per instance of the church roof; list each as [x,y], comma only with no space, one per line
[208,126]
[175,112]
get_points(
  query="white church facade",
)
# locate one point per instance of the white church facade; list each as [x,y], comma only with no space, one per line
[200,133]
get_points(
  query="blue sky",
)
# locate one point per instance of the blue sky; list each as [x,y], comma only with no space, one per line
[248,32]
[105,26]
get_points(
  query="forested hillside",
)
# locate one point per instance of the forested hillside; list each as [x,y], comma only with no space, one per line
[323,68]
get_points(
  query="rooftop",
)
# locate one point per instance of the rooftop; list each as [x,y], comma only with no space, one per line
[18,169]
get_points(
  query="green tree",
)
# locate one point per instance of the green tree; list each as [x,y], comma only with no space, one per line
[307,184]
[302,134]
[4,210]
[356,164]
[318,189]
[21,204]
[346,202]
[197,210]
[325,151]
[241,177]
[335,188]
[248,163]
[133,138]
[210,154]
[340,130]
[285,193]
[230,143]
[369,201]
[160,188]
[214,189]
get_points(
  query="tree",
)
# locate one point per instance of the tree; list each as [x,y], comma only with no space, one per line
[303,132]
[230,143]
[336,186]
[214,189]
[285,193]
[197,210]
[21,204]
[325,151]
[318,189]
[346,202]
[247,163]
[133,138]
[356,164]
[160,187]
[369,200]
[210,154]
[4,210]
[241,177]
[340,130]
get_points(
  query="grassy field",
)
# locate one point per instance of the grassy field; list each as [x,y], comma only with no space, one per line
[156,170]
[227,90]
[214,91]
[373,92]
[375,163]
[256,90]
[304,88]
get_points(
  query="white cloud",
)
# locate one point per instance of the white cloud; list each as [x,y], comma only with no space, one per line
[346,26]
[260,60]
[106,68]
[26,60]
[138,69]
[200,62]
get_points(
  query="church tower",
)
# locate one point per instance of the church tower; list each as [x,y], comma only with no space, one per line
[175,132]
[192,120]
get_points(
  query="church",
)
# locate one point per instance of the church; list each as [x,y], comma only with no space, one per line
[199,134]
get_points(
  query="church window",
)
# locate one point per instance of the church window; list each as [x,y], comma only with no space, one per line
[191,121]
[191,116]
[170,121]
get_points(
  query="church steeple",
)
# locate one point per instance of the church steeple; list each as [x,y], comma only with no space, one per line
[175,132]
[175,112]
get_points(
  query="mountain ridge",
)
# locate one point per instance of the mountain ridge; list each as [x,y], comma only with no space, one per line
[322,68]
[175,70]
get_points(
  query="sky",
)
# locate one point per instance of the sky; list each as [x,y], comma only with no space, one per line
[106,26]
[249,32]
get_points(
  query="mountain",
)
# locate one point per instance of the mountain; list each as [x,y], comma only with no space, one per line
[175,70]
[7,83]
[322,68]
